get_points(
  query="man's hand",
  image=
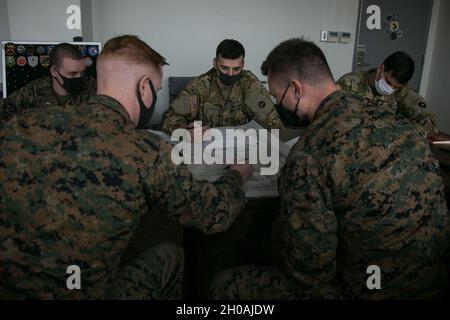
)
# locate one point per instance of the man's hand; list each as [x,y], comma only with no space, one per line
[245,170]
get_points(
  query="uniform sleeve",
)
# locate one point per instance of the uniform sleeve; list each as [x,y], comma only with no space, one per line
[184,109]
[311,225]
[259,105]
[209,207]
[17,102]
[345,82]
[413,107]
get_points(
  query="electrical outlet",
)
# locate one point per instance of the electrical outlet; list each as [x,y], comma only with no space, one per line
[344,37]
[333,36]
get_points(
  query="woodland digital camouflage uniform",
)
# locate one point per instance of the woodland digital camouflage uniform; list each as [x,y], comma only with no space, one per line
[39,93]
[405,101]
[361,187]
[203,100]
[74,183]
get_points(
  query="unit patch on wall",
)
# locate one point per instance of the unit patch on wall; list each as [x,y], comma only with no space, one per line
[392,25]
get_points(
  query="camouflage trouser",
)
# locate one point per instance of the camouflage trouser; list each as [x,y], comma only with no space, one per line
[262,283]
[155,274]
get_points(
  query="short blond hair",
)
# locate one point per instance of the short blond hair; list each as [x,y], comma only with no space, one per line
[132,49]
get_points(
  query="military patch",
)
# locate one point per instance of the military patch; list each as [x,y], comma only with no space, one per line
[395,25]
[31,50]
[21,49]
[44,61]
[21,61]
[33,61]
[10,49]
[49,49]
[93,51]
[262,104]
[10,61]
[422,105]
[88,62]
[40,50]
[83,50]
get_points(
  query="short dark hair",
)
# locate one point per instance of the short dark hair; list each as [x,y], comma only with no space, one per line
[230,49]
[401,66]
[64,50]
[300,58]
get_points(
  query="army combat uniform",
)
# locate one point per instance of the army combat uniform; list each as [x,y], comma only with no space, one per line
[405,101]
[74,183]
[39,93]
[203,100]
[361,187]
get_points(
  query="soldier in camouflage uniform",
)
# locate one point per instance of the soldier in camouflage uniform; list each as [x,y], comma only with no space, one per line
[66,85]
[74,183]
[388,86]
[349,199]
[226,95]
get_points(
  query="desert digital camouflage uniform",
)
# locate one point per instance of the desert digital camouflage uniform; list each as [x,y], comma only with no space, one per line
[74,183]
[361,187]
[405,101]
[39,93]
[203,100]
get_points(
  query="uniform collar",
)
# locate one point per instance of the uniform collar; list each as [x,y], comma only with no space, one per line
[368,86]
[111,104]
[328,103]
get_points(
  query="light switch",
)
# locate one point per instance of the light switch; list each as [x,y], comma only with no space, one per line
[324,35]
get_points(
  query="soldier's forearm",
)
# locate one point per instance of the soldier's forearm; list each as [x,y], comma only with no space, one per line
[173,121]
[217,209]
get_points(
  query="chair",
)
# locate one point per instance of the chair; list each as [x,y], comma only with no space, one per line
[176,85]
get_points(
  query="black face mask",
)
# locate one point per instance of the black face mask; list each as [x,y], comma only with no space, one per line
[228,80]
[289,118]
[73,86]
[145,114]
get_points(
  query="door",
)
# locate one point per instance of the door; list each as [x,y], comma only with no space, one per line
[387,26]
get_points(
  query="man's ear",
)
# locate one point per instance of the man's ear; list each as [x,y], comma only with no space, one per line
[53,71]
[380,70]
[142,84]
[298,88]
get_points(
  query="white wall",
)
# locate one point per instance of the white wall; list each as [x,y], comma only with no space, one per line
[41,20]
[4,29]
[437,89]
[187,32]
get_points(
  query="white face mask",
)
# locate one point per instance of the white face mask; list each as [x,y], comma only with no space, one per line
[382,87]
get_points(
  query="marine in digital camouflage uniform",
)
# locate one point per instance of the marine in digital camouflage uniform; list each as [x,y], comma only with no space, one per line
[74,183]
[66,85]
[405,100]
[39,93]
[361,187]
[218,106]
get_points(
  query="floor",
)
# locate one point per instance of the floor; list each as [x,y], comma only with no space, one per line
[252,239]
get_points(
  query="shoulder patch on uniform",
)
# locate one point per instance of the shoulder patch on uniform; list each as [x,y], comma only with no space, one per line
[262,104]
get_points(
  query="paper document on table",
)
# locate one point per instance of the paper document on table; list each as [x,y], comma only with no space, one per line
[225,144]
